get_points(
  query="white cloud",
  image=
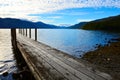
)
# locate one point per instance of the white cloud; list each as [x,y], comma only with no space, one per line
[70,13]
[47,21]
[21,8]
[99,12]
[55,17]
[84,20]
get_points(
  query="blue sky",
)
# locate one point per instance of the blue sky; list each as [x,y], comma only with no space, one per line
[59,12]
[76,15]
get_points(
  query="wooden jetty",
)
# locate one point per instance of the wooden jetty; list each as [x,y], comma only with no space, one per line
[47,63]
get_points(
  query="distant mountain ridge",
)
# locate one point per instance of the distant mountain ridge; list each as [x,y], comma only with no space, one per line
[64,25]
[77,26]
[110,23]
[18,23]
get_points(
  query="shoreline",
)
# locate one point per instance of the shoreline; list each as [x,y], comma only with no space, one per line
[106,59]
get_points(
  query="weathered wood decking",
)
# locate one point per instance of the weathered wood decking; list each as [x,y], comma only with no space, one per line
[47,63]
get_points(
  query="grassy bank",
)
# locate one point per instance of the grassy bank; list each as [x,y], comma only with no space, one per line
[106,59]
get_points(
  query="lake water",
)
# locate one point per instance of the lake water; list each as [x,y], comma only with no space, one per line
[7,60]
[72,41]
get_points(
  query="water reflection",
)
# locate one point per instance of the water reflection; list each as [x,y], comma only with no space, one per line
[74,42]
[7,60]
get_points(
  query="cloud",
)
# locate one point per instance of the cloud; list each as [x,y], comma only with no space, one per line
[69,12]
[47,21]
[55,17]
[22,8]
[99,12]
[84,20]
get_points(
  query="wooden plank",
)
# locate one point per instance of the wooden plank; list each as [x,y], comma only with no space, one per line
[66,68]
[70,61]
[32,67]
[56,66]
[59,62]
[53,72]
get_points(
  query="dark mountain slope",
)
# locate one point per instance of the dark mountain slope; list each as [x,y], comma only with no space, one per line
[78,26]
[17,23]
[110,23]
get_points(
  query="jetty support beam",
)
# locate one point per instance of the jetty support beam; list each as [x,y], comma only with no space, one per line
[13,38]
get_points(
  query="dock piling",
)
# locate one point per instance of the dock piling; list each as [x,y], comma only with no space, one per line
[35,34]
[26,32]
[30,33]
[13,38]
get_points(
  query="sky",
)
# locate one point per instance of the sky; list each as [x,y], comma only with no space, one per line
[59,12]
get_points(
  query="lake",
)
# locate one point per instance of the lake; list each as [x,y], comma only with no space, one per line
[73,41]
[7,59]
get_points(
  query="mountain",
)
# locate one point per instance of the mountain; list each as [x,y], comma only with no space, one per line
[18,23]
[43,25]
[78,26]
[110,23]
[64,25]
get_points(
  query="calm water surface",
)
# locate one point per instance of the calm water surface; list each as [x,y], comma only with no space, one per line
[7,60]
[74,42]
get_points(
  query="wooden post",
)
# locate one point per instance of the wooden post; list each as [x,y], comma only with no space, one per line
[23,32]
[26,32]
[20,31]
[13,38]
[35,34]
[30,33]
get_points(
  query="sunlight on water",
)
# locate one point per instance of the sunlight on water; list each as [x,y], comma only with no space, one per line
[7,62]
